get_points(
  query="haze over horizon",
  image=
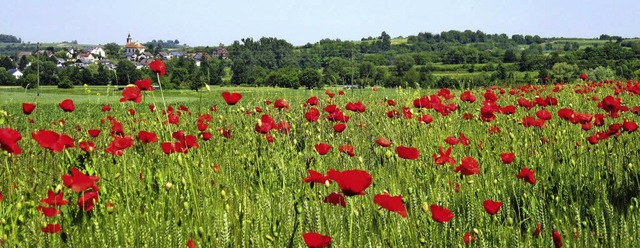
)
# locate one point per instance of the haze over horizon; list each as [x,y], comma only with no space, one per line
[202,22]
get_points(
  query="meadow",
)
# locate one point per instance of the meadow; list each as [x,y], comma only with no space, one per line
[525,166]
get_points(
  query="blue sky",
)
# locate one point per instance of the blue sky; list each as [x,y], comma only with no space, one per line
[211,22]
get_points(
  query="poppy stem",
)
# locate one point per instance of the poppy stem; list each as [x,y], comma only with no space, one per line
[164,102]
[351,225]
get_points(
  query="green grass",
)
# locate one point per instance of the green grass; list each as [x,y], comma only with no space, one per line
[258,198]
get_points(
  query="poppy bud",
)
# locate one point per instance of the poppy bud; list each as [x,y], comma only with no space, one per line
[223,194]
[630,166]
[186,205]
[168,186]
[327,183]
[425,207]
[110,207]
[476,231]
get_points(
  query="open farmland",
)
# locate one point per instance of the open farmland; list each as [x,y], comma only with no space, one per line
[522,166]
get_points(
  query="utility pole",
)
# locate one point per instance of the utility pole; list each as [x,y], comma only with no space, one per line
[38,54]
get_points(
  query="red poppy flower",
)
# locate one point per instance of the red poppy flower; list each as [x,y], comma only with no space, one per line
[322,148]
[467,96]
[410,153]
[335,198]
[312,115]
[445,157]
[391,203]
[468,238]
[147,137]
[312,101]
[78,181]
[94,132]
[337,116]
[54,199]
[158,66]
[351,182]
[329,93]
[281,104]
[48,211]
[451,140]
[191,244]
[425,118]
[557,239]
[384,142]
[356,107]
[464,140]
[629,126]
[543,114]
[391,102]
[173,147]
[338,128]
[9,140]
[67,105]
[527,175]
[87,201]
[51,228]
[508,110]
[225,132]
[52,140]
[231,98]
[348,149]
[316,240]
[440,214]
[87,146]
[106,108]
[184,109]
[131,93]
[118,144]
[331,108]
[492,207]
[144,84]
[583,76]
[393,114]
[507,157]
[469,166]
[206,136]
[536,233]
[316,177]
[27,108]
[265,124]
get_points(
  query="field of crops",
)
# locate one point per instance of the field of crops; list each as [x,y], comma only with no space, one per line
[529,166]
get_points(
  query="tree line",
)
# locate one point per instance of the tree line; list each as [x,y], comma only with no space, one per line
[448,59]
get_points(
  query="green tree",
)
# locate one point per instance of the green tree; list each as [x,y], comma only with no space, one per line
[563,72]
[6,78]
[403,63]
[600,73]
[112,49]
[509,56]
[366,70]
[284,77]
[103,76]
[23,62]
[385,44]
[310,78]
[29,81]
[6,62]
[127,72]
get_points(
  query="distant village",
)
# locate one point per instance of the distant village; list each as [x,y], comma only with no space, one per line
[132,50]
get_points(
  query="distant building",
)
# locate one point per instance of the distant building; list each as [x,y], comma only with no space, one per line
[16,73]
[132,49]
[220,53]
[97,52]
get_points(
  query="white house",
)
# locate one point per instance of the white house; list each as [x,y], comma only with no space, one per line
[16,73]
[97,52]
